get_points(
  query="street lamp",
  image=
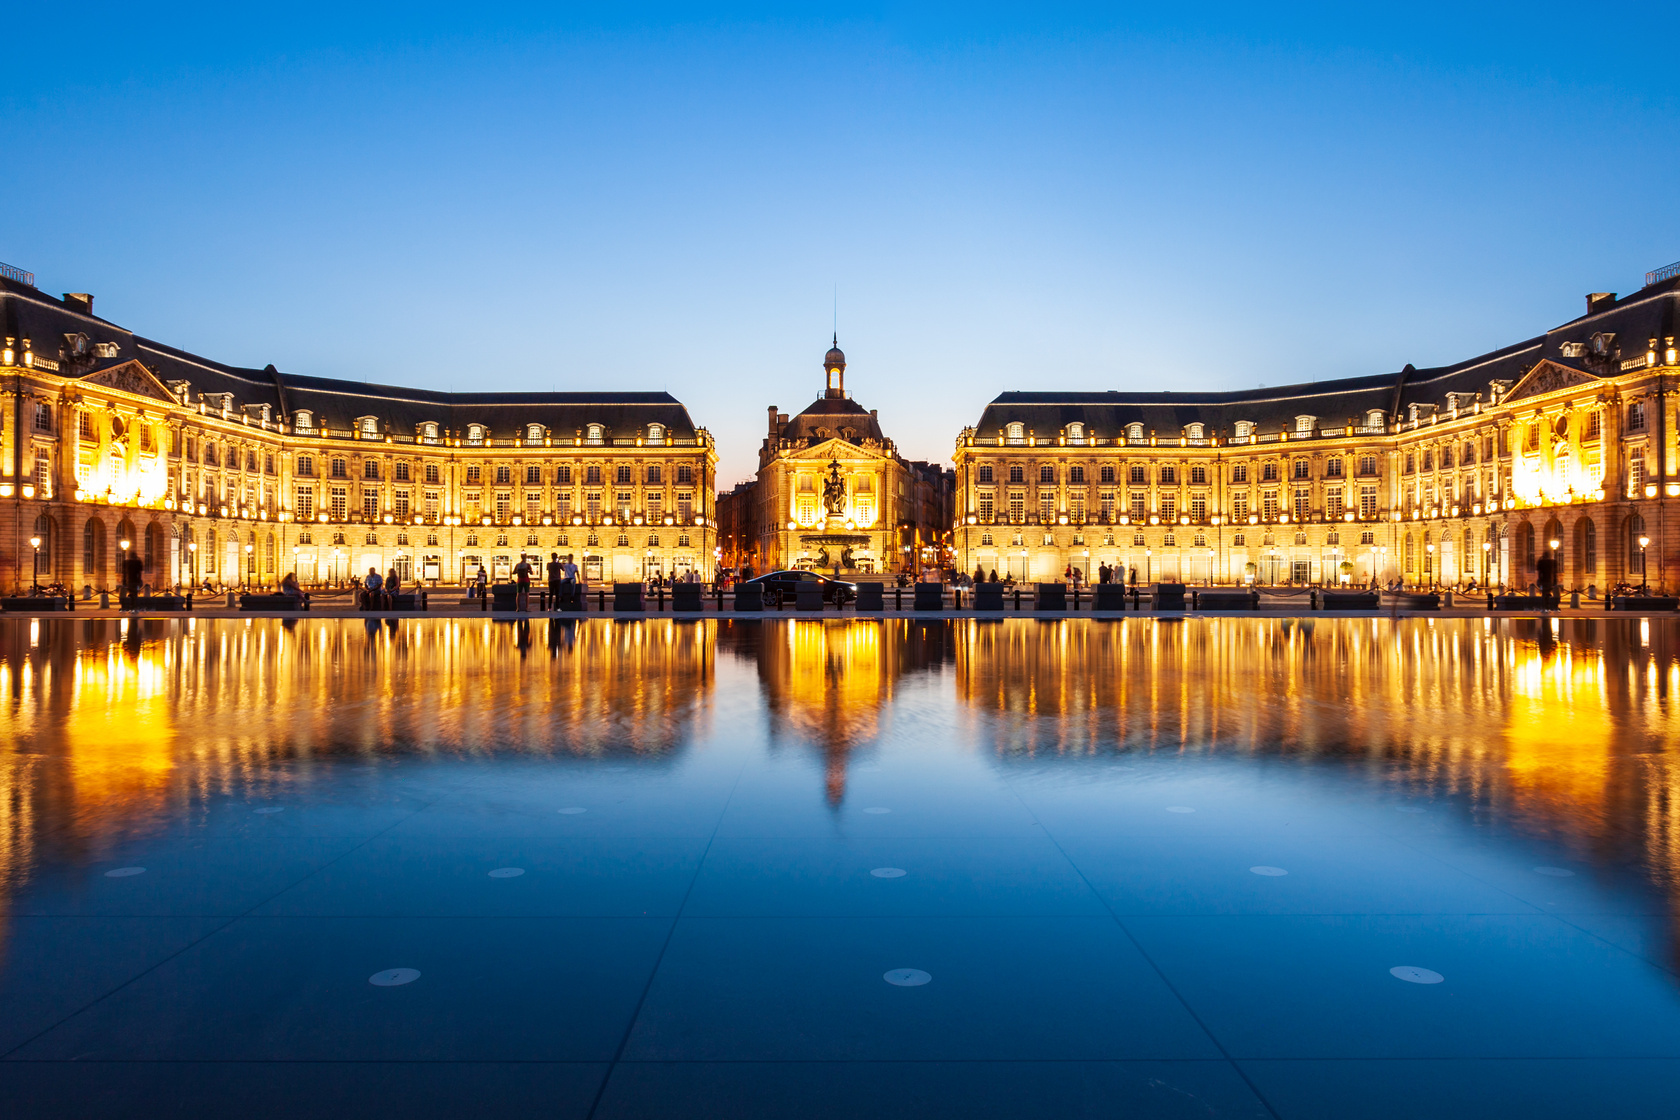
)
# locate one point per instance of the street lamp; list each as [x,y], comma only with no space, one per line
[1147,577]
[1643,583]
[1429,549]
[249,572]
[35,576]
[1487,561]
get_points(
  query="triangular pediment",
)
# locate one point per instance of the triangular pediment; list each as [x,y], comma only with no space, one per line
[131,377]
[837,448]
[1548,377]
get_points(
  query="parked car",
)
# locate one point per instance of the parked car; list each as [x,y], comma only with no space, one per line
[780,587]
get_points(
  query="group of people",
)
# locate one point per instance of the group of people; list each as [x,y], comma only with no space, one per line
[562,581]
[378,592]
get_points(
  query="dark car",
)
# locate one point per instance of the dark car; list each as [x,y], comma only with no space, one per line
[781,587]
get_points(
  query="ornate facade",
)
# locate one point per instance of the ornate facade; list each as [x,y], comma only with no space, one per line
[1458,474]
[234,476]
[832,493]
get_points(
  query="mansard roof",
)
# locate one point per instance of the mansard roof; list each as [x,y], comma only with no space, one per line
[833,413]
[26,312]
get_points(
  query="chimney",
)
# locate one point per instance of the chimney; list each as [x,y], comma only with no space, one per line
[80,301]
[772,419]
[1598,301]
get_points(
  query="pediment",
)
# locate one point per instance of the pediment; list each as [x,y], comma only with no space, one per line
[837,448]
[131,377]
[1548,377]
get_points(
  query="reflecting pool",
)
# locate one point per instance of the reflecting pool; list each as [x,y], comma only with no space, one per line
[1232,867]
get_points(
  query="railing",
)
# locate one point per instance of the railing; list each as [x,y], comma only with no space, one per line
[1666,272]
[11,272]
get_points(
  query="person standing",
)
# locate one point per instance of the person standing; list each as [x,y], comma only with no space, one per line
[556,575]
[132,567]
[1545,571]
[522,580]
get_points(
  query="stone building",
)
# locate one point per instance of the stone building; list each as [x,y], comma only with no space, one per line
[234,476]
[1447,475]
[832,493]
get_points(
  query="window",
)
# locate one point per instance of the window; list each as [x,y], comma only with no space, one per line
[1017,473]
[1134,431]
[1194,431]
[1076,430]
[1046,505]
[1333,468]
[984,474]
[1169,476]
[370,502]
[1046,475]
[303,420]
[1137,475]
[1169,506]
[592,475]
[986,510]
[1198,476]
[1239,507]
[533,433]
[339,502]
[1269,505]
[1139,505]
[1239,472]
[656,433]
[1268,472]
[429,430]
[369,425]
[533,503]
[1106,473]
[1429,459]
[251,461]
[1198,507]
[685,505]
[370,468]
[1015,433]
[268,463]
[594,433]
[84,426]
[1410,463]
[1595,427]
[303,502]
[504,505]
[1635,415]
[1017,505]
[1106,504]
[685,474]
[43,418]
[655,475]
[1304,425]
[1367,502]
[533,475]
[432,473]
[400,504]
[306,466]
[1367,465]
[340,468]
[475,433]
[504,474]
[1303,469]
[562,476]
[1076,476]
[1244,429]
[474,474]
[1333,503]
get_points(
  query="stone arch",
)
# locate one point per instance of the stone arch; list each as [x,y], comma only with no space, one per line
[1586,551]
[93,550]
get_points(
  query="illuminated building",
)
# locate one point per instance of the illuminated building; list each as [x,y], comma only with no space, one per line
[832,493]
[1447,475]
[236,476]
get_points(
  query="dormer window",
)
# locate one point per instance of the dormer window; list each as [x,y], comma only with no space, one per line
[1194,431]
[429,430]
[1374,418]
[656,433]
[533,433]
[595,433]
[475,433]
[1304,425]
[303,420]
[367,425]
[1076,430]
[1244,429]
[1134,431]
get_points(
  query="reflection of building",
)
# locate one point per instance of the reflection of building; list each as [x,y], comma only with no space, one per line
[1457,473]
[833,493]
[236,475]
[827,682]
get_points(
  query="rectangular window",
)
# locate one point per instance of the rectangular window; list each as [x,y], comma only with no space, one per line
[370,503]
[1303,504]
[431,503]
[1367,466]
[1367,502]
[685,475]
[1198,507]
[475,509]
[1106,503]
[653,475]
[563,476]
[592,475]
[1333,468]
[621,503]
[303,503]
[985,473]
[1169,476]
[84,427]
[1138,475]
[986,506]
[504,504]
[340,468]
[533,503]
[1017,506]
[1046,506]
[1076,506]
[592,503]
[1239,507]
[1636,423]
[402,470]
[1198,476]
[370,468]
[1169,507]
[43,418]
[339,503]
[1076,476]
[400,505]
[685,505]
[1269,505]
[622,475]
[1333,503]
[504,474]
[1239,472]
[533,475]
[1139,505]
[474,474]
[431,473]
[1046,475]
[1106,473]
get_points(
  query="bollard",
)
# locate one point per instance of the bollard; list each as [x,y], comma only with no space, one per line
[898,597]
[661,597]
[1017,596]
[484,600]
[1446,599]
[719,586]
[1312,599]
[232,603]
[601,598]
[1575,600]
[1195,600]
[1490,599]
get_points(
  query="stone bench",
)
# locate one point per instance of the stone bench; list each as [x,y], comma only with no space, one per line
[807,596]
[930,597]
[1519,602]
[686,597]
[749,597]
[1050,597]
[628,597]
[870,596]
[273,603]
[1352,601]
[1646,603]
[36,603]
[988,596]
[1414,601]
[1167,597]
[1109,597]
[1227,600]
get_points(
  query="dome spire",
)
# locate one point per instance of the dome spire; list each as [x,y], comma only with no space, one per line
[834,370]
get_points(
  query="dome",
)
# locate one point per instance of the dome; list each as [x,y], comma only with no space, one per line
[836,357]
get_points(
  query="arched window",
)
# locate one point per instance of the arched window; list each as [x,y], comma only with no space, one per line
[1244,429]
[1195,431]
[1525,547]
[1134,431]
[533,432]
[1015,432]
[1374,418]
[1410,555]
[595,433]
[429,430]
[1636,564]
[1076,430]
[43,556]
[656,433]
[1304,425]
[475,433]
[93,549]
[303,420]
[369,425]
[1586,548]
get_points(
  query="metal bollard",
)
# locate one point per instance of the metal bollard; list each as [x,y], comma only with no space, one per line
[898,597]
[1574,600]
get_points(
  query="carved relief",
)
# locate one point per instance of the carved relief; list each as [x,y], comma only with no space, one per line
[1548,377]
[130,377]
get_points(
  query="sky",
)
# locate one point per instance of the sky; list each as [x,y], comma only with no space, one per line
[987,198]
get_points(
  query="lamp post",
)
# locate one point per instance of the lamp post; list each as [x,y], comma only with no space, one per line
[1487,561]
[35,575]
[1087,555]
[1644,585]
[192,563]
[122,570]
[1557,580]
[1148,553]
[250,562]
[1429,558]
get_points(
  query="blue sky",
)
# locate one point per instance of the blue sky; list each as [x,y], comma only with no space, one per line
[1005,198]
